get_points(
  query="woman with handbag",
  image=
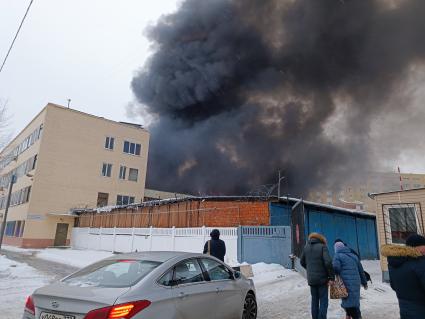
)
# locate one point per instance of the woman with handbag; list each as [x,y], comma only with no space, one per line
[348,267]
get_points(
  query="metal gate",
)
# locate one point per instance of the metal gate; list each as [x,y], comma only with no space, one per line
[269,244]
[298,228]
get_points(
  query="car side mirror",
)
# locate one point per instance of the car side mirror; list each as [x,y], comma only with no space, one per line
[237,274]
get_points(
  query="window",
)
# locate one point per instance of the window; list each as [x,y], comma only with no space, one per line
[10,228]
[132,148]
[27,194]
[22,228]
[102,199]
[112,273]
[106,169]
[125,200]
[40,130]
[187,272]
[167,279]
[216,271]
[402,222]
[34,162]
[123,171]
[109,143]
[133,174]
[19,197]
[24,145]
[17,228]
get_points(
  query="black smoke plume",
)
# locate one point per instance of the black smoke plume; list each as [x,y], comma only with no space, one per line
[241,88]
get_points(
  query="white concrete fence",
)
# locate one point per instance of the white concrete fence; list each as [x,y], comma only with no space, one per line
[153,239]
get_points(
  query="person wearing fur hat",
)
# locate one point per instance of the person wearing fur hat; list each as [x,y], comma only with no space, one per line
[406,265]
[348,266]
[318,263]
[215,246]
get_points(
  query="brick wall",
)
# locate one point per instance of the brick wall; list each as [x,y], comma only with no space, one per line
[188,213]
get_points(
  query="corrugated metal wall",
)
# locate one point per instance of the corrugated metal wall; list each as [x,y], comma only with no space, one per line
[357,231]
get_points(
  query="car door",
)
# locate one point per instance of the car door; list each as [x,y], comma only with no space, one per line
[193,295]
[228,293]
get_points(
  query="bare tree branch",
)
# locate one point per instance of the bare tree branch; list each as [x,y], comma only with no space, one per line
[5,132]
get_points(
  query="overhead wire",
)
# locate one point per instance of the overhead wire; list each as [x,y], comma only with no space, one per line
[16,35]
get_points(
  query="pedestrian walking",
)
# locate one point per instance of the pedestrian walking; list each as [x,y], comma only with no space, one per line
[215,246]
[318,263]
[406,265]
[348,266]
[368,277]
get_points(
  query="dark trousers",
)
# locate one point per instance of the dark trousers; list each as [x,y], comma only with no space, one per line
[354,313]
[319,302]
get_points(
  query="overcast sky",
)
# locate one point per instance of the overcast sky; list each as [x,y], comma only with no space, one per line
[83,50]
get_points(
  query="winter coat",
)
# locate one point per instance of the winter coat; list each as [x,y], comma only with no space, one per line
[406,266]
[347,265]
[217,248]
[317,261]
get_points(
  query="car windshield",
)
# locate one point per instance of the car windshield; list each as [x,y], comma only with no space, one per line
[112,273]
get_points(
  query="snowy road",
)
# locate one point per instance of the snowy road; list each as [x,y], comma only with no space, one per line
[17,281]
[282,293]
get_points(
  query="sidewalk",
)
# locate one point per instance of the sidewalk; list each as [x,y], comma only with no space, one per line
[49,268]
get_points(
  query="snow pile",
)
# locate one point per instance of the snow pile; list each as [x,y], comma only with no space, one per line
[270,273]
[73,257]
[17,281]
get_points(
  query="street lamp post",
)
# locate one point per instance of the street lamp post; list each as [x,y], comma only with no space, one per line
[9,195]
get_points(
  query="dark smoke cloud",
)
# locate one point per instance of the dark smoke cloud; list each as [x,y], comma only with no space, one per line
[240,89]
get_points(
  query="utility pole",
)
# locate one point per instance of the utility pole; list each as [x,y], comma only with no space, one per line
[278,187]
[278,184]
[9,195]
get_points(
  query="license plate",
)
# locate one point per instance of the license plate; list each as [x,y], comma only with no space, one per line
[48,315]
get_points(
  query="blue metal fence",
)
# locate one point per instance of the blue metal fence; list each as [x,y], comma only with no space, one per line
[269,244]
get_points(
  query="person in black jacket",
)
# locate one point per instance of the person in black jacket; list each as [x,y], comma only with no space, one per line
[318,263]
[215,246]
[406,265]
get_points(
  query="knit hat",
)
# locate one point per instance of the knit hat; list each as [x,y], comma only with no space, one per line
[338,246]
[415,240]
[215,234]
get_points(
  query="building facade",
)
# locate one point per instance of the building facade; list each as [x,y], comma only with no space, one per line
[399,214]
[66,159]
[355,195]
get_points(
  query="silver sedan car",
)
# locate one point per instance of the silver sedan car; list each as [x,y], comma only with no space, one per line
[151,285]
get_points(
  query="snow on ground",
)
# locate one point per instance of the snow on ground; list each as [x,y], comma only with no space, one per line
[284,294]
[73,257]
[17,282]
[281,293]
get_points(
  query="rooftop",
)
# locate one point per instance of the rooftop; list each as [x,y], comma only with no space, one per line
[283,200]
[136,126]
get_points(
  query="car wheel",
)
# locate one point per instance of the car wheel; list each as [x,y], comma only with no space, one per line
[250,307]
